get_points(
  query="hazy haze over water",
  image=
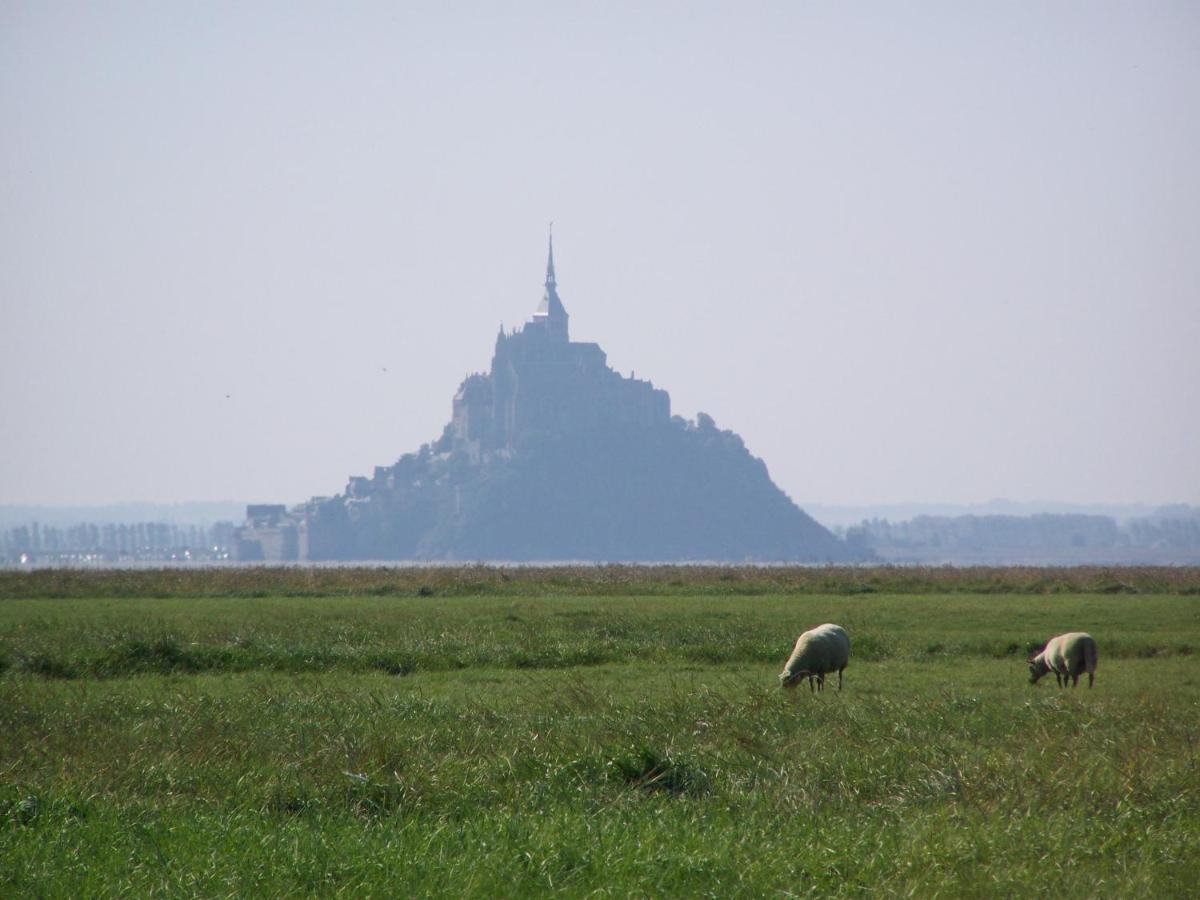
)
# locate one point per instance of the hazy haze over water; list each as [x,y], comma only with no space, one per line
[943,252]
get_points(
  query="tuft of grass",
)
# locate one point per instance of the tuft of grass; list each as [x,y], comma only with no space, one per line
[650,770]
[373,799]
[48,666]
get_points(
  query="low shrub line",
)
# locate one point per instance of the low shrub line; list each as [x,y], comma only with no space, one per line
[591,581]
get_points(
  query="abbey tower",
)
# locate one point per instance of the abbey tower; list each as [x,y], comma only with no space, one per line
[541,381]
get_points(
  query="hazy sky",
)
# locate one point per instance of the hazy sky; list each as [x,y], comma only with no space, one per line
[935,251]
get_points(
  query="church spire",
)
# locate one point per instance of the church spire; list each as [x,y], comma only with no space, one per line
[550,312]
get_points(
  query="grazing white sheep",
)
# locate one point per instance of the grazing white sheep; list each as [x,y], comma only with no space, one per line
[823,649]
[1068,656]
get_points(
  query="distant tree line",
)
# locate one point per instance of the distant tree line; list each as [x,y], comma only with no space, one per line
[1169,536]
[115,542]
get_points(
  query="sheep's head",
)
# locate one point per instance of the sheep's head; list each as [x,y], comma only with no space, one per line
[1037,668]
[791,679]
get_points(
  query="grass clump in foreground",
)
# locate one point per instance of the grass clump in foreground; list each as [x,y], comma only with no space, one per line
[626,745]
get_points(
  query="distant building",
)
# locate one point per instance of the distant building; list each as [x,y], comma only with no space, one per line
[541,381]
[271,533]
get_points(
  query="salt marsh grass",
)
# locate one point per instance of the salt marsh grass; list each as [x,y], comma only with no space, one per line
[512,745]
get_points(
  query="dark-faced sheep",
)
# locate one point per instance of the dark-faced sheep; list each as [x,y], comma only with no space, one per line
[824,649]
[1068,656]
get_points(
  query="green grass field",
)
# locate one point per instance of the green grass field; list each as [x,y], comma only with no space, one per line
[620,733]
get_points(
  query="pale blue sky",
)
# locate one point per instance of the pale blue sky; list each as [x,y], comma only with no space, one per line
[934,251]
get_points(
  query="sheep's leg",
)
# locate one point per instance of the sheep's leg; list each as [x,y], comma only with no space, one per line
[1091,678]
[839,679]
[1057,678]
[812,686]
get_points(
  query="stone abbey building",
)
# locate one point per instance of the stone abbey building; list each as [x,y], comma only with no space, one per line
[542,381]
[552,455]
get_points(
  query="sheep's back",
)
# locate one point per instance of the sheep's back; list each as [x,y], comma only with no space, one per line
[825,648]
[1068,649]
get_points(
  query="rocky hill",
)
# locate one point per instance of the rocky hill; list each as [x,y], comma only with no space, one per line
[552,455]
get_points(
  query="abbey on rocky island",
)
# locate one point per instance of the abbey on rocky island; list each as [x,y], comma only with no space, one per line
[542,381]
[551,455]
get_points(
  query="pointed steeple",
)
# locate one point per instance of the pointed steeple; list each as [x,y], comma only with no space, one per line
[550,283]
[551,311]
